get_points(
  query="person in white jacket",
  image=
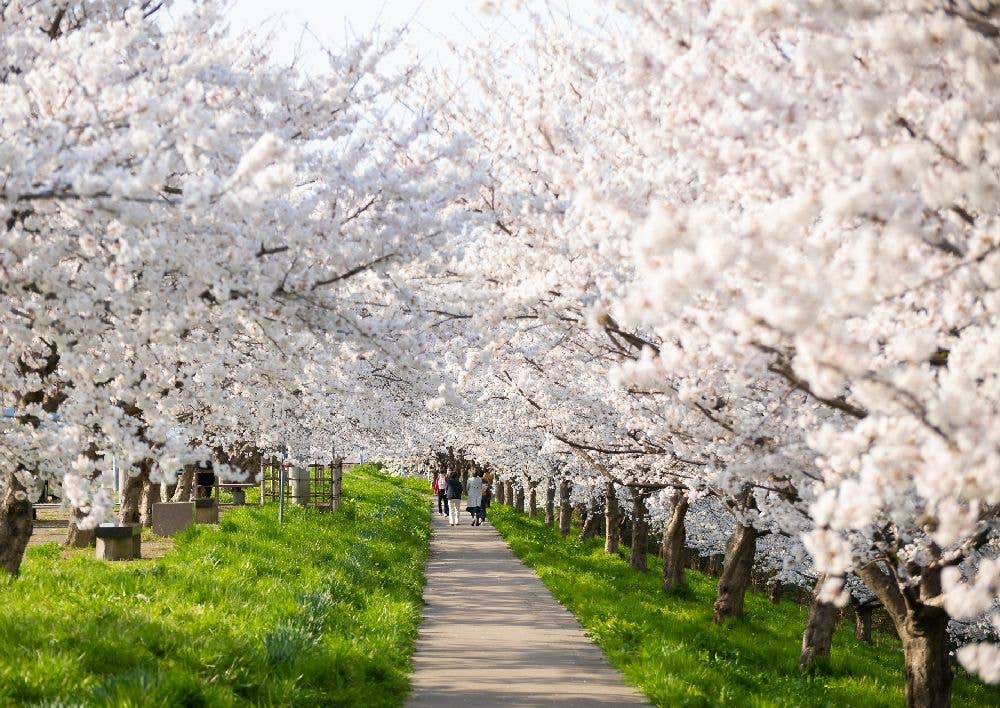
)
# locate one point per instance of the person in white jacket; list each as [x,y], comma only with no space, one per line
[474,489]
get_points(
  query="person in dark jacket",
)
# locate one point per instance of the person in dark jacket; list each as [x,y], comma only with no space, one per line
[453,490]
[487,498]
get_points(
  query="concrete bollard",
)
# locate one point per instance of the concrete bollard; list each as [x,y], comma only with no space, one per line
[298,477]
[206,511]
[170,518]
[115,543]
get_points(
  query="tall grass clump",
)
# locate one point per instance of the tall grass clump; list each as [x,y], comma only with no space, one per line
[666,644]
[322,610]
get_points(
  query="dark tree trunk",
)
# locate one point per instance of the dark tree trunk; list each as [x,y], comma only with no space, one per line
[510,493]
[565,510]
[923,630]
[532,501]
[736,569]
[550,504]
[131,495]
[672,548]
[774,590]
[337,483]
[592,522]
[612,529]
[818,635]
[519,499]
[75,536]
[150,496]
[863,623]
[640,532]
[500,496]
[15,525]
[182,492]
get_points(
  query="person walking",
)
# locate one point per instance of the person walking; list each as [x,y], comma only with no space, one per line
[441,489]
[453,491]
[475,490]
[487,498]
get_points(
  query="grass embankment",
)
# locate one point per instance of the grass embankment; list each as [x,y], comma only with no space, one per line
[667,645]
[323,610]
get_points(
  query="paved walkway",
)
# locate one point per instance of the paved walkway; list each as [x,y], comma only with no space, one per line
[493,635]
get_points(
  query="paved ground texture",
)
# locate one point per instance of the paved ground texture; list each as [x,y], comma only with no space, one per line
[493,635]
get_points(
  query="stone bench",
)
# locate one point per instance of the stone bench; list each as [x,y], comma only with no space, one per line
[206,511]
[119,542]
[170,518]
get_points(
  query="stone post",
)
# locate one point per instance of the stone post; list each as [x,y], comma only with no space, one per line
[298,477]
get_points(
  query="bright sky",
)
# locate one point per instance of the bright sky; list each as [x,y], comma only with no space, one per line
[432,24]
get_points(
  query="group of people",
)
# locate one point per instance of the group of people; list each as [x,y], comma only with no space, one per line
[448,489]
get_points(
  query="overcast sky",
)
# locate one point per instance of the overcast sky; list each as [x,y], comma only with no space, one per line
[432,24]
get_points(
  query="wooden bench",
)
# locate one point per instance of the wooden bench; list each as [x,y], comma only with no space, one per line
[119,542]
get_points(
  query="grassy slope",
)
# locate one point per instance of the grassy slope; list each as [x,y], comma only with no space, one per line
[668,646]
[321,611]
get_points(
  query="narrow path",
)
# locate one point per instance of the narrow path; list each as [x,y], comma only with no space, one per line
[492,634]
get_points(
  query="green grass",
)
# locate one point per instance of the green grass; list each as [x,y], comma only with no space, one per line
[668,646]
[321,611]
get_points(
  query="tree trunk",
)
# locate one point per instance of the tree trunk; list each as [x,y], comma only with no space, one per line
[532,501]
[565,510]
[500,496]
[550,504]
[923,630]
[15,524]
[519,499]
[640,532]
[591,524]
[863,623]
[672,548]
[510,492]
[182,492]
[774,590]
[612,529]
[131,495]
[75,536]
[735,576]
[818,636]
[150,496]
[337,485]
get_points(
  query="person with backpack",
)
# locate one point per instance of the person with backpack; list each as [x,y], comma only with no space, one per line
[453,490]
[475,491]
[440,488]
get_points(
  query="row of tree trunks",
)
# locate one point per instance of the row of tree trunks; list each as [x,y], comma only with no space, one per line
[550,504]
[672,548]
[565,510]
[15,524]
